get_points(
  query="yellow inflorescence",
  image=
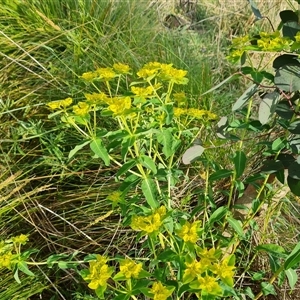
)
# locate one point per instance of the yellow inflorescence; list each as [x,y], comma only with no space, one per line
[130,269]
[189,232]
[100,272]
[149,223]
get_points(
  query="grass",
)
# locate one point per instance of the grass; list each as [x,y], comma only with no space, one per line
[46,46]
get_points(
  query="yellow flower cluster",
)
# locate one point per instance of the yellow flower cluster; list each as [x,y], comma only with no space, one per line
[273,42]
[97,98]
[115,197]
[200,273]
[99,273]
[6,260]
[121,68]
[20,239]
[105,74]
[81,109]
[142,92]
[59,104]
[119,105]
[194,113]
[210,285]
[151,223]
[160,292]
[189,232]
[130,269]
[165,72]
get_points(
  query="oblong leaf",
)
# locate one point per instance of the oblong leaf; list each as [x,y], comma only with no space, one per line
[267,107]
[294,169]
[147,162]
[192,153]
[294,258]
[220,174]
[77,148]
[287,78]
[218,215]
[231,77]
[245,97]
[292,277]
[98,148]
[150,191]
[294,126]
[239,161]
[127,166]
[294,185]
[237,226]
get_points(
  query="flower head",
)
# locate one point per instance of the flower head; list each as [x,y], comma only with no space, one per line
[194,269]
[160,292]
[130,269]
[224,270]
[81,109]
[106,74]
[6,260]
[115,197]
[58,104]
[151,223]
[21,239]
[189,232]
[99,272]
[121,68]
[119,105]
[97,98]
[210,285]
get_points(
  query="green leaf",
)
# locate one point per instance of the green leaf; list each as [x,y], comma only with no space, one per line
[150,190]
[287,78]
[16,276]
[148,163]
[285,59]
[292,276]
[239,161]
[255,9]
[294,258]
[22,266]
[230,78]
[126,144]
[165,138]
[53,259]
[98,148]
[295,144]
[288,15]
[77,148]
[278,144]
[248,292]
[295,126]
[268,289]
[286,159]
[284,110]
[192,153]
[220,174]
[294,185]
[168,109]
[267,107]
[245,97]
[294,169]
[218,215]
[274,263]
[237,226]
[127,166]
[272,166]
[290,29]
